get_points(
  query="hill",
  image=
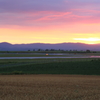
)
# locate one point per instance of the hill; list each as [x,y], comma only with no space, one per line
[4,46]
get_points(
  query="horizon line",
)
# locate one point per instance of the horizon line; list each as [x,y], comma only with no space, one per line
[52,43]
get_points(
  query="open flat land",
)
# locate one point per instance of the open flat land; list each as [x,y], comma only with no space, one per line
[50,66]
[49,87]
[48,54]
[50,79]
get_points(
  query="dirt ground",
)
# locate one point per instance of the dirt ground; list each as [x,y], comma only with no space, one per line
[49,87]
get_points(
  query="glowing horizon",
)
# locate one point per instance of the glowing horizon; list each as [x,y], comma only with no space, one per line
[51,21]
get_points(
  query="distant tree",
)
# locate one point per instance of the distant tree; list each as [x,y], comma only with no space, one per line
[39,49]
[59,50]
[52,50]
[46,50]
[33,49]
[88,51]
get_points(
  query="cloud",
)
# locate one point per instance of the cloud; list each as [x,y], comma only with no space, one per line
[31,5]
[46,5]
[48,12]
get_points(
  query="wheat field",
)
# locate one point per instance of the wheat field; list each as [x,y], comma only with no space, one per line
[49,87]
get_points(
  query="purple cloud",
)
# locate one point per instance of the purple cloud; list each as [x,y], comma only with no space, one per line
[46,5]
[43,12]
[31,5]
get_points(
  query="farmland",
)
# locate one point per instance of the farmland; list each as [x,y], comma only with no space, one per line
[49,79]
[49,87]
[83,66]
[45,53]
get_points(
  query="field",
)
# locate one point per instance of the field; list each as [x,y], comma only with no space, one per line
[49,87]
[85,66]
[45,54]
[49,79]
[30,53]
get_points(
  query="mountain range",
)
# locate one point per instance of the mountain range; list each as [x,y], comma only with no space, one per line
[4,46]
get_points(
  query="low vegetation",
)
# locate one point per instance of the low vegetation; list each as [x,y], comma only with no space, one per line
[50,79]
[51,66]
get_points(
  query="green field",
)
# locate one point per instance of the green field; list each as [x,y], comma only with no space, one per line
[83,66]
[32,55]
[47,53]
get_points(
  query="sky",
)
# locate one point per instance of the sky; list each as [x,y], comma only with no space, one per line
[50,21]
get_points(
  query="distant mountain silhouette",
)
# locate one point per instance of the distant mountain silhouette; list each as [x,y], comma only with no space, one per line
[4,46]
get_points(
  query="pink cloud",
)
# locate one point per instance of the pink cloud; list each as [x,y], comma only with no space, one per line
[53,16]
[50,18]
[86,11]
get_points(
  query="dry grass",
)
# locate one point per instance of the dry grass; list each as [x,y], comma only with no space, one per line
[49,87]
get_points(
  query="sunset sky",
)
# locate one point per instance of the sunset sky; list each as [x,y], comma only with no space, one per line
[50,21]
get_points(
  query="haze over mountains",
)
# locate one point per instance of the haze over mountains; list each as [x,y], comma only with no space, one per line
[4,46]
